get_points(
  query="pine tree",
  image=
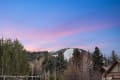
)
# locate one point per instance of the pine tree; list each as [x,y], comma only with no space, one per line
[97,59]
[114,57]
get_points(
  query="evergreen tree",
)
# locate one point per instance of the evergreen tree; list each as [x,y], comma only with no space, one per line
[114,57]
[61,65]
[77,58]
[60,62]
[97,59]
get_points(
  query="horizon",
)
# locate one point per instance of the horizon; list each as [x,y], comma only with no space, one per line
[56,24]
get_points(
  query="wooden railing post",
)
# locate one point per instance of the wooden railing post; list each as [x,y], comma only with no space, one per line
[3,77]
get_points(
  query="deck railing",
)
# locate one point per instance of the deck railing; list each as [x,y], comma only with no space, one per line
[8,77]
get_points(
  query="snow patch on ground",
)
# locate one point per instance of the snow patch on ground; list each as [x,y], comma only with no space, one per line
[68,54]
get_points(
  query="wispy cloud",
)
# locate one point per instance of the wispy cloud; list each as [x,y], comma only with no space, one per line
[39,39]
[22,33]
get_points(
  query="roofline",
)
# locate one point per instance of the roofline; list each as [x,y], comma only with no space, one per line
[112,66]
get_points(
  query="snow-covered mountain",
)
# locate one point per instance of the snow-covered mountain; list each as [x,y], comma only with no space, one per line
[68,52]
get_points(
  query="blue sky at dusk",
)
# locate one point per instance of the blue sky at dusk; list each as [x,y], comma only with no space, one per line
[56,24]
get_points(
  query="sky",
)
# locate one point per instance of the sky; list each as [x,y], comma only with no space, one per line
[54,24]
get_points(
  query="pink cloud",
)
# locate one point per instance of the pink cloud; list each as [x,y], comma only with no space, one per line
[35,48]
[39,38]
[48,34]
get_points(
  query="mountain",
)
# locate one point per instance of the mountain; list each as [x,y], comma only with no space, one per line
[68,52]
